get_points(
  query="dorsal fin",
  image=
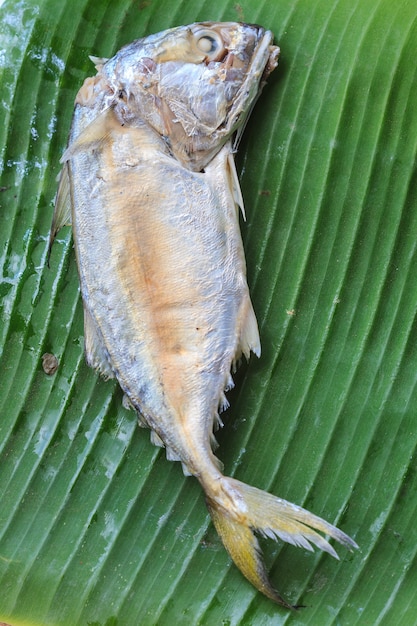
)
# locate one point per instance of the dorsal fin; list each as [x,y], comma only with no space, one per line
[62,209]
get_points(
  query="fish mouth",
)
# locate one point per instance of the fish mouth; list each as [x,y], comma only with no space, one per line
[249,49]
[263,54]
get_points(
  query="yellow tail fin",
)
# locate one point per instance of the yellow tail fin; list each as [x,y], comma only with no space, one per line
[238,510]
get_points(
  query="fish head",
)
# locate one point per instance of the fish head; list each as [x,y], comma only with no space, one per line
[195,86]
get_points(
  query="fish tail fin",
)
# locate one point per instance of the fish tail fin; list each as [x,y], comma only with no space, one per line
[239,510]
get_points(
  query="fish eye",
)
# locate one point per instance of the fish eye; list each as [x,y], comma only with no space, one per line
[207,44]
[210,43]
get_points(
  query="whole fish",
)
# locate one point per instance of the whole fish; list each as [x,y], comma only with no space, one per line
[150,187]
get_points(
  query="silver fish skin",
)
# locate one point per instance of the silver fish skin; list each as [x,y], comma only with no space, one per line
[150,187]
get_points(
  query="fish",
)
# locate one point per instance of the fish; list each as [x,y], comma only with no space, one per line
[150,187]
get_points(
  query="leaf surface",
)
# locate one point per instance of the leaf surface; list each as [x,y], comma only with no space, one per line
[96,527]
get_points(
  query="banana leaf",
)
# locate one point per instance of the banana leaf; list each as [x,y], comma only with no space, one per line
[96,527]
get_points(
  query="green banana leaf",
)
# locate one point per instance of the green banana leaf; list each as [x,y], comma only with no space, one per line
[96,527]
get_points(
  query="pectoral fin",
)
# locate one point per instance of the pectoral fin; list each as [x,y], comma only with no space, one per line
[95,133]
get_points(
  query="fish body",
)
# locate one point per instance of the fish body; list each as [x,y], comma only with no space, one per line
[150,187]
